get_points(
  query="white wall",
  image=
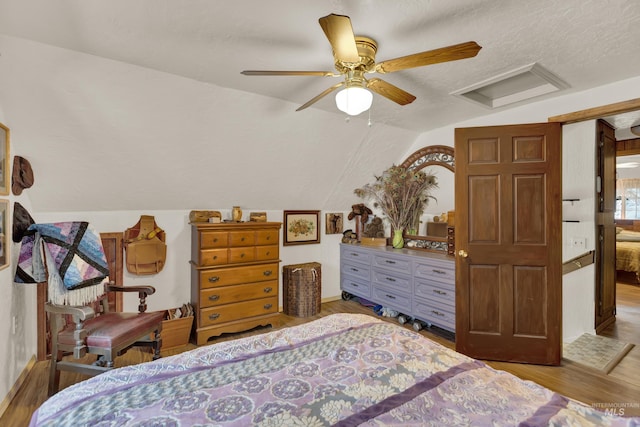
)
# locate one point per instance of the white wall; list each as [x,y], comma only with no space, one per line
[19,344]
[578,298]
[578,182]
[173,285]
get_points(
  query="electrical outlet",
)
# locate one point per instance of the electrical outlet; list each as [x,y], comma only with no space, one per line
[579,242]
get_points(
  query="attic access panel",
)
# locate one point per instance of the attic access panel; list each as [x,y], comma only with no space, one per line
[513,86]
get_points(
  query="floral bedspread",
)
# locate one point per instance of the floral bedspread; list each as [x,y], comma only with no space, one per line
[343,370]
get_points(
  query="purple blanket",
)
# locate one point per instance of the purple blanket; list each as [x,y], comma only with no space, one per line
[75,250]
[342,370]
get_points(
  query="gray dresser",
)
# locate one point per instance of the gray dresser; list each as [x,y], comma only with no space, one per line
[418,284]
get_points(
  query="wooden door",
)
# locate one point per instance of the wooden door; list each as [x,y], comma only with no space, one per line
[605,295]
[509,243]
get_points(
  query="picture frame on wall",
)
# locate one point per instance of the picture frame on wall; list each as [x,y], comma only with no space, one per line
[333,223]
[301,227]
[5,253]
[5,171]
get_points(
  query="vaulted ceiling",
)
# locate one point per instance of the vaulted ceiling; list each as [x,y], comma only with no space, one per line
[146,96]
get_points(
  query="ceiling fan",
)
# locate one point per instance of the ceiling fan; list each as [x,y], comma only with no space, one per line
[355,56]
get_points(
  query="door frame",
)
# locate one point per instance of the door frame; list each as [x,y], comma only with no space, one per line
[596,113]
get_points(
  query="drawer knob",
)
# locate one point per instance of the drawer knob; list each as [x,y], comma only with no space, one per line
[354,284]
[354,269]
[390,279]
[439,292]
[437,313]
[242,255]
[215,239]
[390,262]
[267,273]
[439,271]
[214,279]
[268,237]
[354,254]
[215,257]
[390,296]
[268,306]
[267,290]
[268,253]
[242,239]
[214,316]
[214,297]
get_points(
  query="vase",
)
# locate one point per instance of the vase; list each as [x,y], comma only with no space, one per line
[236,214]
[398,239]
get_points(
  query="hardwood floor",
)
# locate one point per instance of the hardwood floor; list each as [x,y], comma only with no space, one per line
[621,386]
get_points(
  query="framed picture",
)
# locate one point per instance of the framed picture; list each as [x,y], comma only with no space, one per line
[4,161]
[333,223]
[5,252]
[301,227]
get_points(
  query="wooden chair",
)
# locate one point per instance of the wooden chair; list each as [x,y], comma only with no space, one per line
[107,334]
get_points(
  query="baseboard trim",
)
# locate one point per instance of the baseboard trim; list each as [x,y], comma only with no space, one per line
[17,385]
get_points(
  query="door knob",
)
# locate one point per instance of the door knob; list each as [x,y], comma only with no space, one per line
[462,253]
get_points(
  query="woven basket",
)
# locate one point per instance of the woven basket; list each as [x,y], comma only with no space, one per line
[301,289]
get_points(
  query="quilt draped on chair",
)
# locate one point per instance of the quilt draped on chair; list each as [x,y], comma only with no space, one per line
[72,260]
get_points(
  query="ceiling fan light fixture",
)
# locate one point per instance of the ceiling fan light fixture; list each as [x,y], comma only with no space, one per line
[354,100]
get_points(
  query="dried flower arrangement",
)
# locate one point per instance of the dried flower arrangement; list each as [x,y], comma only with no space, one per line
[401,194]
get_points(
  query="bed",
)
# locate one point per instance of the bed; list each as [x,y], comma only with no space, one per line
[628,251]
[342,370]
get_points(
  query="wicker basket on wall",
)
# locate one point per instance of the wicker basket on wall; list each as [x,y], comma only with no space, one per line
[301,289]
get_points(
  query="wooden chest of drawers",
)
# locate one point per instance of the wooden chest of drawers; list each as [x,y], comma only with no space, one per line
[234,276]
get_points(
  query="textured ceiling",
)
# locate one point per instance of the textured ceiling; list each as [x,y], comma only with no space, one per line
[586,43]
[141,104]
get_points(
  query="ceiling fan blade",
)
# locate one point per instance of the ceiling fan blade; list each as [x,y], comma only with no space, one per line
[288,73]
[390,91]
[444,54]
[338,30]
[319,97]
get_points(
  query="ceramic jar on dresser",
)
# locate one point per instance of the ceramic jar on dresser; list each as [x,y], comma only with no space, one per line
[415,283]
[234,276]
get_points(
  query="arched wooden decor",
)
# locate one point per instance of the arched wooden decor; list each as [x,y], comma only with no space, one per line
[432,155]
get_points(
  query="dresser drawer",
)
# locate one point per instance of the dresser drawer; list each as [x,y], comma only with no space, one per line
[356,270]
[392,299]
[210,257]
[238,275]
[238,255]
[391,280]
[241,310]
[214,239]
[355,255]
[267,237]
[230,294]
[356,287]
[442,272]
[242,238]
[265,253]
[436,313]
[402,265]
[435,291]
